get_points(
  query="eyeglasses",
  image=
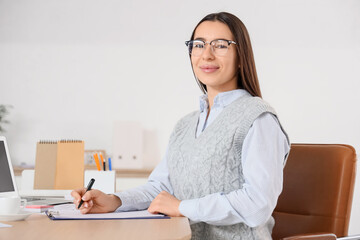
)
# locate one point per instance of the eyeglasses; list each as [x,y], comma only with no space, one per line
[219,47]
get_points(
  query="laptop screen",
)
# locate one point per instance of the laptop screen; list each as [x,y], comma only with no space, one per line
[6,183]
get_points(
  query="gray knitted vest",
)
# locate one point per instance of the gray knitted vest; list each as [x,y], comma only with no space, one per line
[211,163]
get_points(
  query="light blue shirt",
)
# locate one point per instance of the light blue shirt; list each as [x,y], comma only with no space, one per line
[264,153]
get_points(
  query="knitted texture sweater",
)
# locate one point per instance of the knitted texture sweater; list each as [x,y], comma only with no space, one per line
[211,163]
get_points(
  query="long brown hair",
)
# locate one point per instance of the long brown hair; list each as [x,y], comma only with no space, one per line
[247,77]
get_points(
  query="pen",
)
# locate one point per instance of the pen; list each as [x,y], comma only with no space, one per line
[103,161]
[87,189]
[96,157]
[109,163]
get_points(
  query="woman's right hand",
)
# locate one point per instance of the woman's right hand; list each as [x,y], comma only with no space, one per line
[95,201]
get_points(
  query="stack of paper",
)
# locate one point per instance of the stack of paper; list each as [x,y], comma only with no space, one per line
[37,208]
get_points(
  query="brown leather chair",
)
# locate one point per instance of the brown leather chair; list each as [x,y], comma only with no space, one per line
[318,191]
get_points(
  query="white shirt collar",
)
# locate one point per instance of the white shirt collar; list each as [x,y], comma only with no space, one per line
[222,99]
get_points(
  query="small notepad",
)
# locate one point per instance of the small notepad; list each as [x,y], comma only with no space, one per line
[59,165]
[37,208]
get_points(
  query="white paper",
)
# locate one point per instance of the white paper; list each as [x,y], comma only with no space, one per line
[70,212]
[2,225]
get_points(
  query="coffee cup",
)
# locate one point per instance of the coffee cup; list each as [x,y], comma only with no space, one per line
[11,204]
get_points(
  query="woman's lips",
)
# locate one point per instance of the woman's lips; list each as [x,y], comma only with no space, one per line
[209,68]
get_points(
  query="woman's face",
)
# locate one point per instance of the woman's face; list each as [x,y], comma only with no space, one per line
[218,73]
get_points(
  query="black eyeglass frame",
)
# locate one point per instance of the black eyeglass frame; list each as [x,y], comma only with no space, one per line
[187,43]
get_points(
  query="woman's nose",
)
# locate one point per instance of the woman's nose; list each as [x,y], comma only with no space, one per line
[208,53]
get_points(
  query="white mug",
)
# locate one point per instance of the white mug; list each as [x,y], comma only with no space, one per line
[11,204]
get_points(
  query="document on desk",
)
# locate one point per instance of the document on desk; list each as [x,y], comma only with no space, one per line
[2,225]
[67,214]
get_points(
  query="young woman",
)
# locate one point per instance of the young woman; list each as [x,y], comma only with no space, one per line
[223,167]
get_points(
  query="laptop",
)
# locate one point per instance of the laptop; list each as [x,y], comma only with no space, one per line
[8,185]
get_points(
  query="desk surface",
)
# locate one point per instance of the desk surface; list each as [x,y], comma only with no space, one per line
[39,226]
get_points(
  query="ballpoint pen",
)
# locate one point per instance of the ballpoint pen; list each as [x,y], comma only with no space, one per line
[103,161]
[89,186]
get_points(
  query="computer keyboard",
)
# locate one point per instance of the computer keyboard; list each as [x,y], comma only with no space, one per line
[33,198]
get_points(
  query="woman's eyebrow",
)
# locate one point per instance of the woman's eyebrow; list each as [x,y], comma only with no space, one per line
[203,39]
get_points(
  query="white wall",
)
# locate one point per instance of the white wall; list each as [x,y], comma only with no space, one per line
[70,68]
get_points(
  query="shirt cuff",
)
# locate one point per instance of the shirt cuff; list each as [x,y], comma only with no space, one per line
[188,208]
[125,201]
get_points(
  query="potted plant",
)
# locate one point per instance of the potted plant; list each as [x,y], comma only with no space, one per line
[4,110]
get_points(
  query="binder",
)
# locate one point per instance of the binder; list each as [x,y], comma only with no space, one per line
[59,165]
[127,145]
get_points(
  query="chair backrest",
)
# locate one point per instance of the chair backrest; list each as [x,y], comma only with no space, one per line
[317,192]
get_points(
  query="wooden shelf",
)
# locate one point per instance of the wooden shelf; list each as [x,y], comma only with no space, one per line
[120,173]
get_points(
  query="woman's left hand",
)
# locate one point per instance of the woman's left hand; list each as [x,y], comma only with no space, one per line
[165,203]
